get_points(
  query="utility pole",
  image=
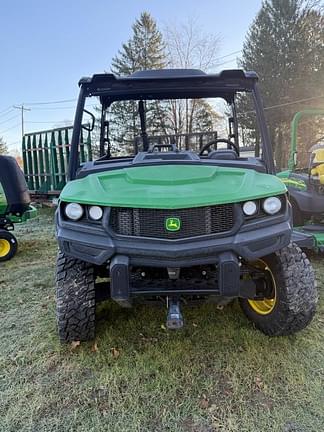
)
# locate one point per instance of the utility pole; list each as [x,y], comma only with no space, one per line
[22,108]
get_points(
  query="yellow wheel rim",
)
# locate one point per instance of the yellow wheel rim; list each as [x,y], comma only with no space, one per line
[266,306]
[4,248]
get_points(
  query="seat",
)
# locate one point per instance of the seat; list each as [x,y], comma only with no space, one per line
[14,185]
[223,154]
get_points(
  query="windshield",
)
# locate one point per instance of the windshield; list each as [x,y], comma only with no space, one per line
[127,127]
[199,113]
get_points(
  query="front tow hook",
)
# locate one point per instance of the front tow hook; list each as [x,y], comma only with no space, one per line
[174,317]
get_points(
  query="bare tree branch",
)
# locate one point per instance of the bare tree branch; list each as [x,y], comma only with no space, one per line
[188,46]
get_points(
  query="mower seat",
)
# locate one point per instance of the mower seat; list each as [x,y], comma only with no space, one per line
[14,185]
[223,154]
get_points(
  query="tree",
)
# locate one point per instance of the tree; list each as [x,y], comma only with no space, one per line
[3,146]
[205,117]
[144,50]
[285,46]
[189,47]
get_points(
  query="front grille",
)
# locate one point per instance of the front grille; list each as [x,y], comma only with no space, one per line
[195,222]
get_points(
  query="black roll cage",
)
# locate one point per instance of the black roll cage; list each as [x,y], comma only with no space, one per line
[168,84]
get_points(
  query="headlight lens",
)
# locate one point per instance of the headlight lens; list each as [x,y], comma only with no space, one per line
[250,208]
[272,205]
[95,213]
[74,211]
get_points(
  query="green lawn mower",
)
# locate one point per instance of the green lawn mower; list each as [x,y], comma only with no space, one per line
[177,226]
[306,186]
[14,205]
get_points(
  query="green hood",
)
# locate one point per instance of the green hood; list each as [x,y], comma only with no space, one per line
[171,186]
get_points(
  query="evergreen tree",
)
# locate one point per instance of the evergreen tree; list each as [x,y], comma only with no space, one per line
[3,146]
[285,46]
[144,50]
[204,117]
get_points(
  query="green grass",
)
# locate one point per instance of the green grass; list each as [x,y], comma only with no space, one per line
[217,374]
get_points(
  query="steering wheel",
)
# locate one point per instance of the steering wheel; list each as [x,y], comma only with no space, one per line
[229,143]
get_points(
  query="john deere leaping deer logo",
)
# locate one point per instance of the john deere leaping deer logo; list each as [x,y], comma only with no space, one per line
[172,224]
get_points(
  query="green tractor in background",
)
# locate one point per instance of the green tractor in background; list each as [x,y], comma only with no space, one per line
[306,186]
[14,205]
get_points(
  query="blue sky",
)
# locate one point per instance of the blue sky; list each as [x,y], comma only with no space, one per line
[47,46]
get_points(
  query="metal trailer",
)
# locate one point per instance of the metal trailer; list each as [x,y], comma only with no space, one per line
[46,157]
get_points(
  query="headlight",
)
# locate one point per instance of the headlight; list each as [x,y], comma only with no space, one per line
[74,211]
[95,213]
[250,208]
[272,205]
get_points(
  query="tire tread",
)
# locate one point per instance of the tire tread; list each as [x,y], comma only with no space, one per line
[75,299]
[298,295]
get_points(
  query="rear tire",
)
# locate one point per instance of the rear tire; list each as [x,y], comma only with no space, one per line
[75,299]
[295,298]
[8,245]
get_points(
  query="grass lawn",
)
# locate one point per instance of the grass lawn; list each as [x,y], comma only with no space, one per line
[217,374]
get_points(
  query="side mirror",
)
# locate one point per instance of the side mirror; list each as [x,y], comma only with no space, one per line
[89,123]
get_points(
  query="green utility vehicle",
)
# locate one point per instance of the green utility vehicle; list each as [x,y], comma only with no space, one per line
[14,205]
[177,226]
[305,184]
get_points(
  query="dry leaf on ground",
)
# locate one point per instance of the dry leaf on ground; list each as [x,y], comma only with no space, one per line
[75,344]
[115,352]
[94,347]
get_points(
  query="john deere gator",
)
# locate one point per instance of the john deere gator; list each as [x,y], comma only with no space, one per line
[158,223]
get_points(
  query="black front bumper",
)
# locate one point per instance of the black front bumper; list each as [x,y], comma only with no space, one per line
[123,289]
[94,244]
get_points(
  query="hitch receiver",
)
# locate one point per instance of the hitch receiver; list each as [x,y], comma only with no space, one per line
[174,317]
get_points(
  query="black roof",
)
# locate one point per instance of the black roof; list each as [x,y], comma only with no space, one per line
[168,84]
